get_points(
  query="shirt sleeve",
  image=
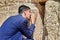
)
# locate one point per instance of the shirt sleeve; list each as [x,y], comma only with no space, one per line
[28,32]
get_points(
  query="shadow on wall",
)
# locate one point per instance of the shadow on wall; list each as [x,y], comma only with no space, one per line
[57,1]
[41,7]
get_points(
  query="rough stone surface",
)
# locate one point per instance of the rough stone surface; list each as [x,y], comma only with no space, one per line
[51,21]
[39,27]
[59,22]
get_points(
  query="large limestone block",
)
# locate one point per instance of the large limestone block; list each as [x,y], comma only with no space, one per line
[10,2]
[51,19]
[59,22]
[36,1]
[39,27]
[55,0]
[3,15]
[8,10]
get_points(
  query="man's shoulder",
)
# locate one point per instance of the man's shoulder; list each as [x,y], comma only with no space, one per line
[19,18]
[15,17]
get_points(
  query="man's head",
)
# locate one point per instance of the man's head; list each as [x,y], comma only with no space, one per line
[25,11]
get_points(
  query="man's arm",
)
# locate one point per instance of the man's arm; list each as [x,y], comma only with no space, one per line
[24,29]
[28,32]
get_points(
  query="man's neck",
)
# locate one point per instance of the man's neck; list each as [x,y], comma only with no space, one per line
[24,16]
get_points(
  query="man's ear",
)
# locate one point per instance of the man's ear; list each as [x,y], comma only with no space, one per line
[24,12]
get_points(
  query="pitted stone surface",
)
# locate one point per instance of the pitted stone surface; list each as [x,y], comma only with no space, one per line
[51,19]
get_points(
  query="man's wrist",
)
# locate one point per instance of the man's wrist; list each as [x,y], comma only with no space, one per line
[32,23]
[32,27]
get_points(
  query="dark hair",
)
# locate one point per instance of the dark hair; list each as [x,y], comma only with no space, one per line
[21,8]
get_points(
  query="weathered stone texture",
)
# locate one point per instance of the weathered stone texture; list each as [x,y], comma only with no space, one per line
[59,22]
[51,19]
[39,26]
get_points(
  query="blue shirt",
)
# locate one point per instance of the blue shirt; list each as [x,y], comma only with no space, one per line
[15,24]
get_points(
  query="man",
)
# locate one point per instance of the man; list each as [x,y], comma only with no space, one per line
[16,26]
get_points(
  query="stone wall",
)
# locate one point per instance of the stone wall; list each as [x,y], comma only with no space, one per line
[52,20]
[9,8]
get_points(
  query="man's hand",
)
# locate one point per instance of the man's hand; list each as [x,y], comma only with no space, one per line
[33,17]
